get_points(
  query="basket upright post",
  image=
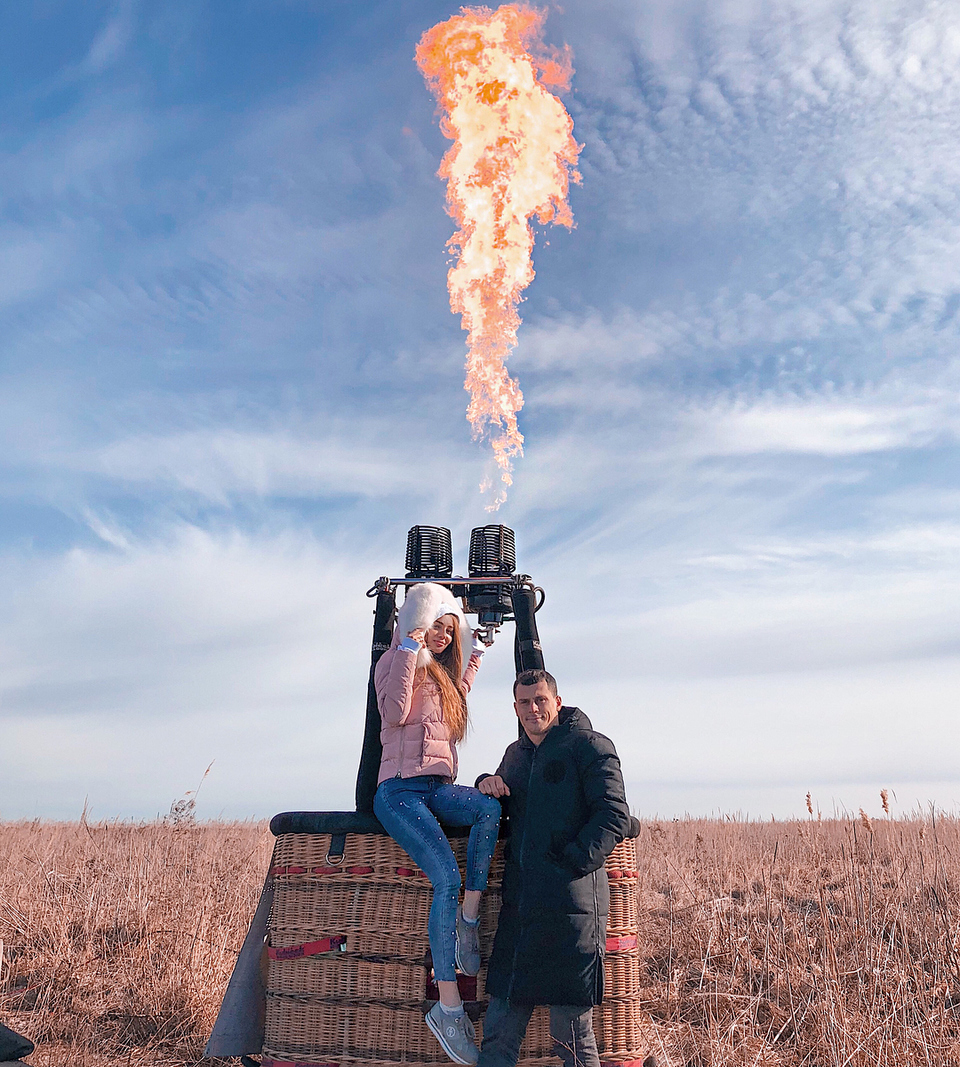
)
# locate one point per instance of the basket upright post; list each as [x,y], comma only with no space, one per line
[526,647]
[372,749]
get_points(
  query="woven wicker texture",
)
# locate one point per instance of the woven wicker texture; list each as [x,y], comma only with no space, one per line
[369,857]
[312,1029]
[329,907]
[344,977]
[621,975]
[616,1022]
[270,1057]
[622,862]
[538,1041]
[623,907]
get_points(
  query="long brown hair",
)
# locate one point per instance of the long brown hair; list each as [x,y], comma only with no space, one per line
[446,669]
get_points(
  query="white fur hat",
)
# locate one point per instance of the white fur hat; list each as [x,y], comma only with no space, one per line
[422,606]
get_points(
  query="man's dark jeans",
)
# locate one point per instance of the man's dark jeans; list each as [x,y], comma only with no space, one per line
[504,1026]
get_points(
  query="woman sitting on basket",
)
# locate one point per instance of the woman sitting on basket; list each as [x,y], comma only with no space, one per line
[421,692]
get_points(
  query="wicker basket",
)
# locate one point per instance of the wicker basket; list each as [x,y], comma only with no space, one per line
[356,995]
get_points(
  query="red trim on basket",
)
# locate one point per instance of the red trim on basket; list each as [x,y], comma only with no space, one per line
[274,871]
[310,948]
[410,872]
[622,872]
[618,944]
[603,1063]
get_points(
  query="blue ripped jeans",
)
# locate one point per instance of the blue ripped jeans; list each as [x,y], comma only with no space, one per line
[410,810]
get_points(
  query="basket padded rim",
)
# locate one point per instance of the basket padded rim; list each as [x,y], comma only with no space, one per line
[339,822]
[360,822]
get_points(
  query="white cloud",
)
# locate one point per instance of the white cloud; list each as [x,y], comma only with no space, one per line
[124,671]
[825,426]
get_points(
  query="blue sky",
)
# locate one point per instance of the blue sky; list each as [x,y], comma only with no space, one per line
[231,381]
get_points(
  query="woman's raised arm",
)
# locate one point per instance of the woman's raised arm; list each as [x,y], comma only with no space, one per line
[393,680]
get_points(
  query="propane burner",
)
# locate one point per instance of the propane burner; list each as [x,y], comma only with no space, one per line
[493,554]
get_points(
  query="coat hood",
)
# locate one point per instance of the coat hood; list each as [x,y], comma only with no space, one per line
[575,717]
[422,606]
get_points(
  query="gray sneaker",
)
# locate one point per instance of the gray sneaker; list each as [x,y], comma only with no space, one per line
[455,1034]
[467,954]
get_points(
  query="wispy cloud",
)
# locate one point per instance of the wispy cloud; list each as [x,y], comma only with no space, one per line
[111,40]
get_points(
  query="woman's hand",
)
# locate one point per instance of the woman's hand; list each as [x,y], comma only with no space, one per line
[417,635]
[482,639]
[494,786]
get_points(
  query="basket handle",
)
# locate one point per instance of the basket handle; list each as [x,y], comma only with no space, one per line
[335,852]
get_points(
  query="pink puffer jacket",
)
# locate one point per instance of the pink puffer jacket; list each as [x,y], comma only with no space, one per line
[414,736]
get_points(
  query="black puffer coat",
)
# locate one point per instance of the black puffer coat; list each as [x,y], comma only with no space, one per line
[567,811]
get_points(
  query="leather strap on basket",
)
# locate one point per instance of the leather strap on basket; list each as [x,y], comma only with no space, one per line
[338,842]
[621,944]
[310,948]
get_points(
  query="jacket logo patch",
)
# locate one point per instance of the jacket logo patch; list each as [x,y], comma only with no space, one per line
[554,772]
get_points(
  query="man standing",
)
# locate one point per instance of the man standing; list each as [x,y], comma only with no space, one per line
[561,786]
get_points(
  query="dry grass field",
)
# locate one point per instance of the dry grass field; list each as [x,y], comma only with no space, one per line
[119,938]
[822,944]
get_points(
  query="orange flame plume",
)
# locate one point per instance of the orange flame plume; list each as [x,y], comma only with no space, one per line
[513,156]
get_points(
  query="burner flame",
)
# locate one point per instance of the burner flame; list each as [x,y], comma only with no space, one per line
[512,159]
